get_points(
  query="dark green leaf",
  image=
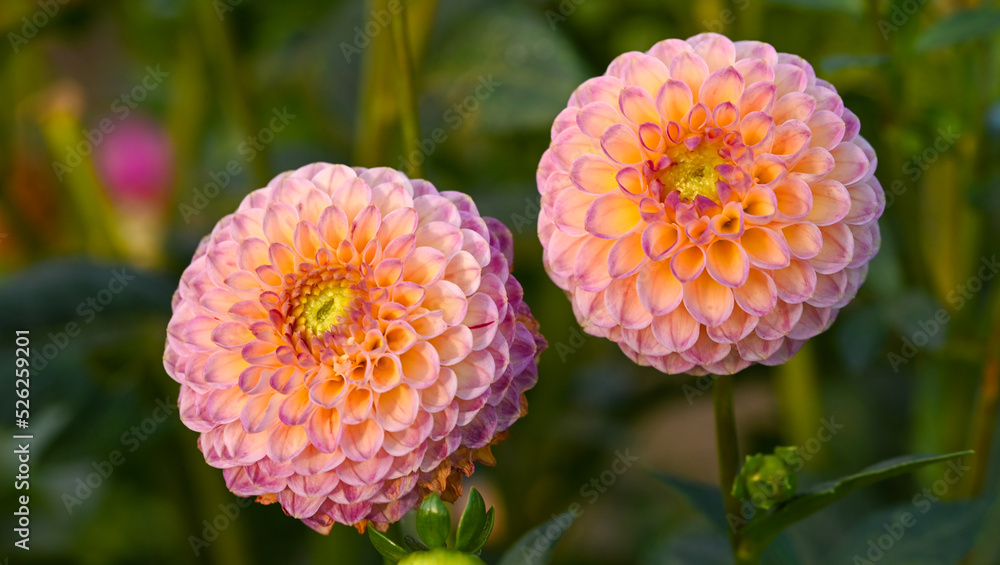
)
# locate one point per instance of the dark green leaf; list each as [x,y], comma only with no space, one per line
[987,547]
[389,549]
[853,7]
[959,28]
[477,544]
[536,546]
[706,547]
[761,531]
[833,63]
[433,522]
[506,67]
[66,290]
[706,499]
[923,531]
[470,525]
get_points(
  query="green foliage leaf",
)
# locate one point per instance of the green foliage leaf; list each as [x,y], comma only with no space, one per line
[695,548]
[849,61]
[959,28]
[924,531]
[57,291]
[389,549]
[470,525]
[536,546]
[761,531]
[853,7]
[706,499]
[433,522]
[504,68]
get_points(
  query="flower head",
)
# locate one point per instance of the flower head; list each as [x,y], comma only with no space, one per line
[708,204]
[136,161]
[349,339]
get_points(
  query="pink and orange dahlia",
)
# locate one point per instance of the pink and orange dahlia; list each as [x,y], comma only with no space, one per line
[708,204]
[349,339]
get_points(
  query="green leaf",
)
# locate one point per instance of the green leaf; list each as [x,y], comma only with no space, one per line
[504,69]
[477,544]
[706,499]
[389,549]
[706,547]
[470,525]
[536,546]
[849,61]
[57,291]
[433,522]
[853,7]
[760,532]
[959,28]
[923,531]
[987,548]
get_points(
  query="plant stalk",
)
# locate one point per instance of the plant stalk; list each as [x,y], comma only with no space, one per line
[727,445]
[409,118]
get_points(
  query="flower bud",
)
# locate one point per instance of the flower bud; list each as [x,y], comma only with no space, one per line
[441,557]
[768,480]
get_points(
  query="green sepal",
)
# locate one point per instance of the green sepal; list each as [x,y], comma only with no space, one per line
[389,549]
[484,534]
[470,525]
[434,522]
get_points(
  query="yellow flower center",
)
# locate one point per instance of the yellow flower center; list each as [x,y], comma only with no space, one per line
[321,307]
[693,172]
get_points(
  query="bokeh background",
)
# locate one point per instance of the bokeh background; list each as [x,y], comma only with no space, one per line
[130,127]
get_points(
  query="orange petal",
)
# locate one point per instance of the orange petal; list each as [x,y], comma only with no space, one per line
[626,256]
[594,174]
[362,441]
[688,264]
[758,295]
[659,290]
[804,240]
[621,299]
[677,330]
[723,85]
[620,144]
[674,100]
[397,409]
[708,301]
[727,263]
[796,282]
[794,198]
[765,248]
[690,69]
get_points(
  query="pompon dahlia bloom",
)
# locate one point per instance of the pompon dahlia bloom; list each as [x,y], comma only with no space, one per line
[348,340]
[708,204]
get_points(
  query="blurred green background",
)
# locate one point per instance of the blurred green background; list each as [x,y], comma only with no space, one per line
[130,127]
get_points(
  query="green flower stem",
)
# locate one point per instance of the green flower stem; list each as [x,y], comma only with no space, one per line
[984,426]
[798,389]
[236,99]
[61,128]
[409,117]
[387,98]
[728,448]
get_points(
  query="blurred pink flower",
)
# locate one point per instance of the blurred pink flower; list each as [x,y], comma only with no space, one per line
[135,160]
[349,339]
[708,204]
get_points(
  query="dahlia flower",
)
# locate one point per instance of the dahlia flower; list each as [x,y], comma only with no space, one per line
[348,340]
[135,161]
[708,204]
